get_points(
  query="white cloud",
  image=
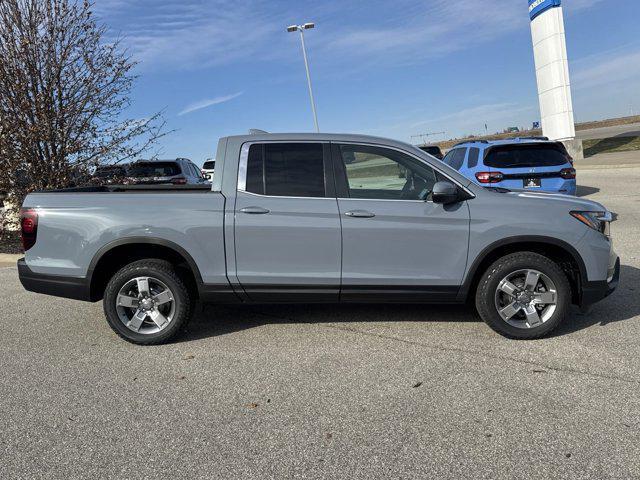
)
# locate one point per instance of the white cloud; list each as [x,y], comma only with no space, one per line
[436,28]
[208,103]
[190,34]
[107,7]
[575,5]
[605,69]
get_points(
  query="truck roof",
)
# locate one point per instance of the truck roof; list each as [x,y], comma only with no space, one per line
[318,137]
[235,142]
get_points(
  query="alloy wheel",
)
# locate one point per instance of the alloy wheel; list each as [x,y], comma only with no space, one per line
[526,298]
[145,305]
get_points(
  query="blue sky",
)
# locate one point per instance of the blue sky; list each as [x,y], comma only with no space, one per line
[391,68]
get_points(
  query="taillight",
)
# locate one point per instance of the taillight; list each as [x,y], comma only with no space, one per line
[568,173]
[489,177]
[179,181]
[28,227]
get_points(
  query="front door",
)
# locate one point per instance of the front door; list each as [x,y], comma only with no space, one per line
[397,245]
[287,225]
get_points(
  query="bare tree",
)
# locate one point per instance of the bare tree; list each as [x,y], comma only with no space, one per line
[64,90]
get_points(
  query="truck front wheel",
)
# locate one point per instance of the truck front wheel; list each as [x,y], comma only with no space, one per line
[146,302]
[523,295]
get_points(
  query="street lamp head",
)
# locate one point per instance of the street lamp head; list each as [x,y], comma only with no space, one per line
[301,29]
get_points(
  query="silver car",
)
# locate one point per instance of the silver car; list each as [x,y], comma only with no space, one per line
[180,171]
[319,218]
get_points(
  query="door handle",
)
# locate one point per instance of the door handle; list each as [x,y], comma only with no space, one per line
[254,210]
[360,214]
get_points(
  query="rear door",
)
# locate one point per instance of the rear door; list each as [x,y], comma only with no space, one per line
[287,225]
[397,244]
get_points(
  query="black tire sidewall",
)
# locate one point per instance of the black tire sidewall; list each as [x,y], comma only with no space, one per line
[163,272]
[485,297]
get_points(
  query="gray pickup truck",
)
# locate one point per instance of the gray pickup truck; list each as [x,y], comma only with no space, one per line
[318,218]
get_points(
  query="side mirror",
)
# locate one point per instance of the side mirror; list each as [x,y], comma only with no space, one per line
[444,193]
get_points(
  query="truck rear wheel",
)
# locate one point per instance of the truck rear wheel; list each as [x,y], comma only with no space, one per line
[523,295]
[146,302]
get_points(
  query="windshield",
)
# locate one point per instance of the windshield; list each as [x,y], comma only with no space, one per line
[154,169]
[210,165]
[522,156]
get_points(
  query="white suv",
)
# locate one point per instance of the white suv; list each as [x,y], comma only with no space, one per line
[208,168]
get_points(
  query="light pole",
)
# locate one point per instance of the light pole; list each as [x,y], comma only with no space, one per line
[301,29]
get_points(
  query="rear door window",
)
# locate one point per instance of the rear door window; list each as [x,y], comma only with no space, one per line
[196,171]
[472,159]
[525,156]
[107,172]
[286,170]
[155,169]
[455,158]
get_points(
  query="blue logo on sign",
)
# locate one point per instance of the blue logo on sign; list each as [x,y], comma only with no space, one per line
[536,7]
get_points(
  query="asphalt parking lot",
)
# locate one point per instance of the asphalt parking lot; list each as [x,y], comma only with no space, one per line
[335,392]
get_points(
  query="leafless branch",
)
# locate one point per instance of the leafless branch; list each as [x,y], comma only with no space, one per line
[63,96]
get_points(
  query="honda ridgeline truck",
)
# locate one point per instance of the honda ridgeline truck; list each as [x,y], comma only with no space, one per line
[318,218]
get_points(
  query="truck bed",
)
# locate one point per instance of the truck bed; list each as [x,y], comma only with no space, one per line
[76,225]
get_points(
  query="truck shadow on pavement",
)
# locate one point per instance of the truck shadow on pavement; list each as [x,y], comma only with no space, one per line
[584,191]
[622,305]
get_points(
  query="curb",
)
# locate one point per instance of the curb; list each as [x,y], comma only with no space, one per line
[603,167]
[9,259]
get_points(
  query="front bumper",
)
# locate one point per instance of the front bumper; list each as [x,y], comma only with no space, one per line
[77,288]
[593,292]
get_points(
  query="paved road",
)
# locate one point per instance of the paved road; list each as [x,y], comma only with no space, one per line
[631,130]
[327,392]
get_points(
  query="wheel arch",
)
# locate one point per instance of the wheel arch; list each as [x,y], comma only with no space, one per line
[558,250]
[114,255]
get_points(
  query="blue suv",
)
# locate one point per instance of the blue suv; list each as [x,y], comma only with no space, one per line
[522,163]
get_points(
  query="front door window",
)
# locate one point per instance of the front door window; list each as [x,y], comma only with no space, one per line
[383,174]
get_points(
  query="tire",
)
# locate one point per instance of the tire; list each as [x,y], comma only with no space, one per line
[495,294]
[129,302]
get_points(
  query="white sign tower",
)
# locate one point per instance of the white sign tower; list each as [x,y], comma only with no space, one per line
[552,69]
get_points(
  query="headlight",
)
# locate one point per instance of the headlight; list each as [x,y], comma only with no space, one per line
[599,221]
